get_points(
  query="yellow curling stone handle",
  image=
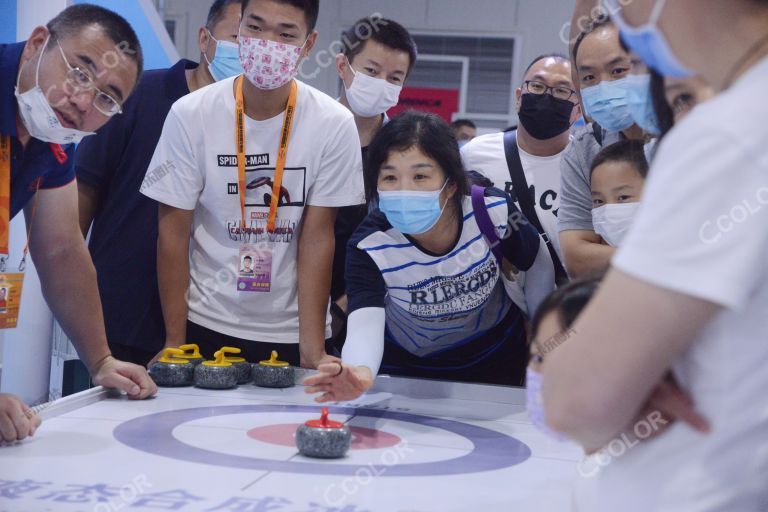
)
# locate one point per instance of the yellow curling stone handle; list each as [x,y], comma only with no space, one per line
[168,358]
[232,350]
[273,361]
[220,360]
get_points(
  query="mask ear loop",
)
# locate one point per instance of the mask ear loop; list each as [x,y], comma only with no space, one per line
[301,49]
[210,36]
[37,69]
[40,60]
[446,200]
[656,13]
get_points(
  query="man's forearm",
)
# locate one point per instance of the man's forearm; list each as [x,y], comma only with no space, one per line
[173,271]
[173,282]
[68,280]
[314,273]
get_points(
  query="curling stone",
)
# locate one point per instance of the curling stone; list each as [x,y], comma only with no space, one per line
[217,374]
[170,371]
[191,354]
[273,373]
[323,438]
[242,367]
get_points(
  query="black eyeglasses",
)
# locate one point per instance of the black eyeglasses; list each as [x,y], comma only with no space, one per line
[539,88]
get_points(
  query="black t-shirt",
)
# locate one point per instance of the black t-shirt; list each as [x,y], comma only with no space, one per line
[123,240]
[347,221]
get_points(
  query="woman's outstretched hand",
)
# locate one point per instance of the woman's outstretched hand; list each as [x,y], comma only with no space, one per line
[339,382]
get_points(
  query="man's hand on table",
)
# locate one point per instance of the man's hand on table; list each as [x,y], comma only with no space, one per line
[17,421]
[130,378]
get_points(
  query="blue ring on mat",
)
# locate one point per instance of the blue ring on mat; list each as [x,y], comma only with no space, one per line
[154,434]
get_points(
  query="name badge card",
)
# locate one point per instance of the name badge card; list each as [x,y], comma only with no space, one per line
[255,272]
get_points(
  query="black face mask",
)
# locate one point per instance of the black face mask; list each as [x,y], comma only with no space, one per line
[544,116]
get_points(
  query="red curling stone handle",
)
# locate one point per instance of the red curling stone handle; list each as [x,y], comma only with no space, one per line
[324,422]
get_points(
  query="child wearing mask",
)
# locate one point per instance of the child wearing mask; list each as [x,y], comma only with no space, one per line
[617,178]
[550,328]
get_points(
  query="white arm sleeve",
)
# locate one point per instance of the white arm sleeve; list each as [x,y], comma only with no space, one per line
[364,345]
[539,280]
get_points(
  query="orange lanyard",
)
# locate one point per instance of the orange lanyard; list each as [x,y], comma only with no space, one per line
[5,193]
[5,205]
[282,153]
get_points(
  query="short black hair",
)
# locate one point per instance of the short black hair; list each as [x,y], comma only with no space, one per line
[664,113]
[553,55]
[311,9]
[382,30]
[431,134]
[463,122]
[628,151]
[216,12]
[247,258]
[602,20]
[72,20]
[567,302]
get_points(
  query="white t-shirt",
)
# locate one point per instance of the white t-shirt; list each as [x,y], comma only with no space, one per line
[702,230]
[485,154]
[195,168]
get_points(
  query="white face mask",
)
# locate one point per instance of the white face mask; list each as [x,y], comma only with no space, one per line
[38,116]
[612,221]
[371,97]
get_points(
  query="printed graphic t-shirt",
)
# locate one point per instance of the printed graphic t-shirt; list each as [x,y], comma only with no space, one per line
[195,168]
[485,154]
[435,303]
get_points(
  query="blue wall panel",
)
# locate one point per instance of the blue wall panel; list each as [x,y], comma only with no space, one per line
[7,21]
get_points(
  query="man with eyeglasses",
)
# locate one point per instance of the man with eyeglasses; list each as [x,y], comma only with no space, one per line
[59,86]
[526,163]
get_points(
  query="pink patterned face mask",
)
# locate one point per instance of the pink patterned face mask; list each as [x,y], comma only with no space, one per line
[268,64]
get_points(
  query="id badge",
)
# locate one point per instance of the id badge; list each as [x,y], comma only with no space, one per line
[10,299]
[255,271]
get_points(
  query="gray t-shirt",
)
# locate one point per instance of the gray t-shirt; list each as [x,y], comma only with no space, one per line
[575,188]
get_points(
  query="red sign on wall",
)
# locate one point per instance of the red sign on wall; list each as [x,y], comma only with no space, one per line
[443,102]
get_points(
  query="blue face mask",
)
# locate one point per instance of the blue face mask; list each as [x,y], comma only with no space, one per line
[640,103]
[606,103]
[411,212]
[648,41]
[226,62]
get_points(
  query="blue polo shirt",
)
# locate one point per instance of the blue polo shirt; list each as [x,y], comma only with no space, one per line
[123,240]
[49,165]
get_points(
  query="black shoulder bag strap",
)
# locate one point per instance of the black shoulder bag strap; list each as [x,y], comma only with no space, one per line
[526,201]
[597,131]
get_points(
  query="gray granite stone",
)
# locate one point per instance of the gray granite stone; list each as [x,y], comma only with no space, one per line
[243,370]
[215,377]
[172,374]
[323,443]
[273,376]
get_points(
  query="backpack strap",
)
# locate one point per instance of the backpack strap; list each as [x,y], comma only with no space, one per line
[527,201]
[484,222]
[597,131]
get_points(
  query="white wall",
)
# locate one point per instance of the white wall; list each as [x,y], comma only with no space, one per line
[535,23]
